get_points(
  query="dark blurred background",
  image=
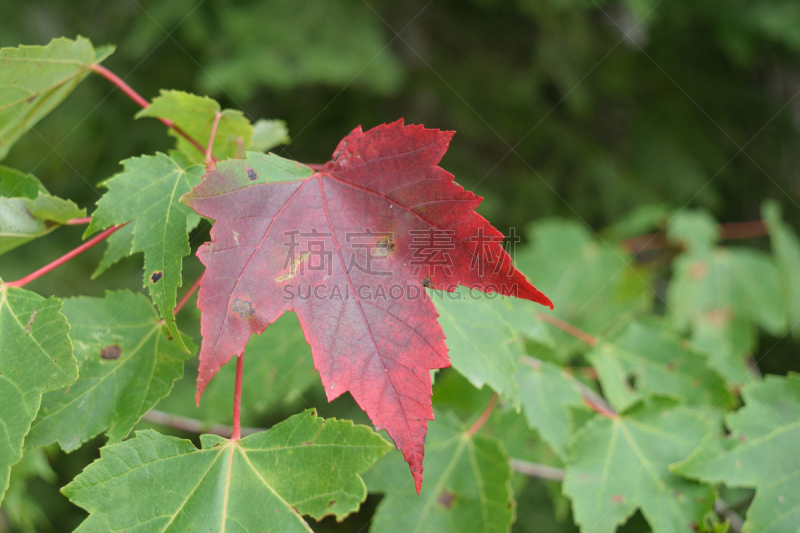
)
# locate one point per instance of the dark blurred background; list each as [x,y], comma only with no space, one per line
[576,108]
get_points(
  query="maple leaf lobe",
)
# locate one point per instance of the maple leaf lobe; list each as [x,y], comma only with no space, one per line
[383,185]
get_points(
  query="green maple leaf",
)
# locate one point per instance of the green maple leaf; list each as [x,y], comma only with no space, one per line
[593,283]
[485,336]
[549,397]
[127,363]
[147,195]
[472,489]
[760,452]
[264,482]
[786,248]
[481,344]
[35,357]
[737,281]
[195,115]
[646,358]
[35,79]
[620,464]
[718,293]
[27,210]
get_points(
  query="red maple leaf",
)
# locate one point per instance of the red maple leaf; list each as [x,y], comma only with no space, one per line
[350,250]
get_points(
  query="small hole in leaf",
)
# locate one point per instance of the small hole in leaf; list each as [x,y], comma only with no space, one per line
[252,175]
[155,276]
[630,379]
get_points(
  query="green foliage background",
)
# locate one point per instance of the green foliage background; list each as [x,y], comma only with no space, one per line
[575,109]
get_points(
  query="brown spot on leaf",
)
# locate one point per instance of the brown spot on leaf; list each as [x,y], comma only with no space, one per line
[155,276]
[698,270]
[111,352]
[446,499]
[31,321]
[252,175]
[331,503]
[385,246]
[426,282]
[616,498]
[243,308]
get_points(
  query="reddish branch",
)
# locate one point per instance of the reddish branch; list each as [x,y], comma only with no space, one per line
[136,97]
[64,258]
[484,416]
[192,289]
[731,231]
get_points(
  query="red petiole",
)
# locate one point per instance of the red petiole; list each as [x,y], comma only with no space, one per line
[64,258]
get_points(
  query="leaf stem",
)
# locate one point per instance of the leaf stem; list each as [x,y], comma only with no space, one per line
[237,399]
[78,221]
[567,328]
[210,158]
[136,97]
[64,258]
[192,289]
[484,416]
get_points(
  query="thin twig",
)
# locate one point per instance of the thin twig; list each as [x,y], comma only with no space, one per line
[64,258]
[136,97]
[189,293]
[744,230]
[484,416]
[567,328]
[191,425]
[537,470]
